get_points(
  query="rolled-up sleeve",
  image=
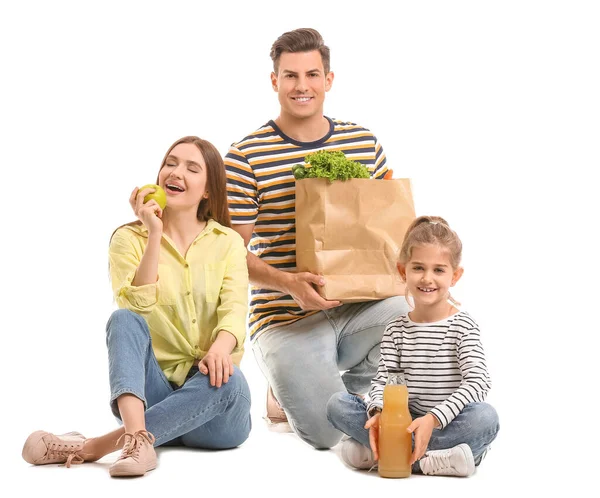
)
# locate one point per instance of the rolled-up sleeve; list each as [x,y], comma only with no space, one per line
[124,259]
[233,305]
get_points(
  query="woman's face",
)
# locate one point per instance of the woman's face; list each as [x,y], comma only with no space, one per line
[183,177]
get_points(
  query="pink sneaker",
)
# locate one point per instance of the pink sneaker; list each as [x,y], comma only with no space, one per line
[43,447]
[275,413]
[138,455]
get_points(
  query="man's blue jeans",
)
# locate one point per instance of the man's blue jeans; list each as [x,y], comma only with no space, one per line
[302,361]
[477,425]
[195,414]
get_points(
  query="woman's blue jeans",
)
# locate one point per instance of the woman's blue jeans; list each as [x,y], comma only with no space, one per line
[195,414]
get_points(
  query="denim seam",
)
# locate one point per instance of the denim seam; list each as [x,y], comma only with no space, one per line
[357,332]
[126,390]
[227,400]
[332,323]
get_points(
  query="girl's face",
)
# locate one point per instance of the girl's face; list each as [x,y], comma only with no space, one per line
[183,177]
[429,275]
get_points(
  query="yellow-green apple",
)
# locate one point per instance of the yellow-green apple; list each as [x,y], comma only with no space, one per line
[159,195]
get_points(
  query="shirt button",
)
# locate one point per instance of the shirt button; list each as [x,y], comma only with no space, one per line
[187,293]
[187,266]
[194,320]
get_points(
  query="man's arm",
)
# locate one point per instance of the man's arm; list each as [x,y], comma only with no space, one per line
[298,285]
[262,274]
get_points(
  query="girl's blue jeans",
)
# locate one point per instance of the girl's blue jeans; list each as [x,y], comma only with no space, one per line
[476,425]
[195,414]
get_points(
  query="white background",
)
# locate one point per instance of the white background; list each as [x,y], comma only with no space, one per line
[492,108]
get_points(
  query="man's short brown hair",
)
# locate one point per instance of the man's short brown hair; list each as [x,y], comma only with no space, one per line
[300,40]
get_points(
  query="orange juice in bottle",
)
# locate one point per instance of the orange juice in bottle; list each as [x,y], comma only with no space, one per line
[395,443]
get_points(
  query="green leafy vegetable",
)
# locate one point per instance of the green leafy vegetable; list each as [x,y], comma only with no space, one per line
[333,165]
[299,171]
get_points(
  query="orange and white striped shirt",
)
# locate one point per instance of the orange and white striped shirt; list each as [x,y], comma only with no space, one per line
[262,191]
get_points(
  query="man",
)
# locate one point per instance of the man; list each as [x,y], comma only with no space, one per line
[301,341]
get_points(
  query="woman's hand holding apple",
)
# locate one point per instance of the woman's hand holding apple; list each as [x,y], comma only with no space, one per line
[149,213]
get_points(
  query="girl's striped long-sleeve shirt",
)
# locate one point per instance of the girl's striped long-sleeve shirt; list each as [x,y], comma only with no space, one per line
[444,365]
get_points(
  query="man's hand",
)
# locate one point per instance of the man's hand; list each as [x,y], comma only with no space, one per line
[301,287]
[373,426]
[422,427]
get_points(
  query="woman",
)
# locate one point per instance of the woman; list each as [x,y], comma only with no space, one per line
[179,276]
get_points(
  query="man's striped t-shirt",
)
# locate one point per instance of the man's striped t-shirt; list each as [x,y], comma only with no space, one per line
[261,191]
[443,362]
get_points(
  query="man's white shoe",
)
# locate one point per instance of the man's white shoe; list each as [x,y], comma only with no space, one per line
[457,461]
[356,455]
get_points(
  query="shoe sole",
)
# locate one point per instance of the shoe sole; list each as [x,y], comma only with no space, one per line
[125,473]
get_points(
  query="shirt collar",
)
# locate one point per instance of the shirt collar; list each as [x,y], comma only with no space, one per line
[211,226]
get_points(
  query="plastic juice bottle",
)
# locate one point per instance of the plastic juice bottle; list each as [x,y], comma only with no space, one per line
[395,443]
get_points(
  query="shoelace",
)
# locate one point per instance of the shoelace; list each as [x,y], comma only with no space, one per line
[133,442]
[436,461]
[70,451]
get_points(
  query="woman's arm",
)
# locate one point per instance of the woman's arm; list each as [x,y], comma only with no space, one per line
[150,215]
[233,296]
[133,265]
[147,271]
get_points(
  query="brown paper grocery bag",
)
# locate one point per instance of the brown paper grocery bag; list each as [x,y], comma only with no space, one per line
[351,232]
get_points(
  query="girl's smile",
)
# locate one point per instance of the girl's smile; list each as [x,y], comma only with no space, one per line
[429,276]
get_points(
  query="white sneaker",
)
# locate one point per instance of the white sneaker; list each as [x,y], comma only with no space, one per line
[457,461]
[356,455]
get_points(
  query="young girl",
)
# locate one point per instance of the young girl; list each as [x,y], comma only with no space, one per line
[179,276]
[439,349]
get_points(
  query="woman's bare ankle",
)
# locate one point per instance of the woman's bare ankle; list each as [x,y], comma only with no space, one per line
[94,449]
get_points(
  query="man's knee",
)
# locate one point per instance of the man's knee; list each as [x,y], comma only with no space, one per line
[315,429]
[321,439]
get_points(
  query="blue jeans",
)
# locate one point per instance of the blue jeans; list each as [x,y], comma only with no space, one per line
[477,425]
[195,414]
[302,361]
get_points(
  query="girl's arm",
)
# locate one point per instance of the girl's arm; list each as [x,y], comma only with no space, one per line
[475,377]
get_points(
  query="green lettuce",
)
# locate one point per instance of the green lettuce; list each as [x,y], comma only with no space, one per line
[333,165]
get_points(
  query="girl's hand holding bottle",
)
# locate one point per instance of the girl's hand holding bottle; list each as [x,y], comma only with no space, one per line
[373,426]
[422,428]
[149,213]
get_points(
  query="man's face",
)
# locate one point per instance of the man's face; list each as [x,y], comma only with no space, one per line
[301,84]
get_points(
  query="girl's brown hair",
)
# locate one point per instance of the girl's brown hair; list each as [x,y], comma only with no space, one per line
[300,40]
[431,230]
